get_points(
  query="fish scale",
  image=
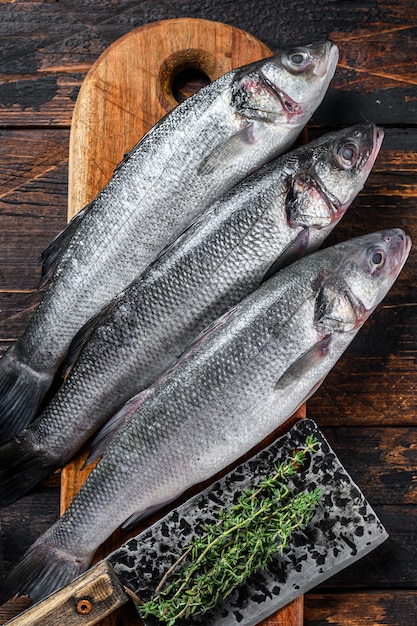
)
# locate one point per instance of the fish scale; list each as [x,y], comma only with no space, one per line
[343,529]
[238,382]
[214,264]
[185,162]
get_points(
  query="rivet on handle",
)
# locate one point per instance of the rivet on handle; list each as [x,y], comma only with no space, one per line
[84,607]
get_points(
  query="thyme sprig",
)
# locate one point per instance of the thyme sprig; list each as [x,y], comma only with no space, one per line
[240,542]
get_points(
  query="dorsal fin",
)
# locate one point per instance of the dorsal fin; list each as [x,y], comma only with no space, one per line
[51,255]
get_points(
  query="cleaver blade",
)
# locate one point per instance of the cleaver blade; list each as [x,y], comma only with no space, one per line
[344,529]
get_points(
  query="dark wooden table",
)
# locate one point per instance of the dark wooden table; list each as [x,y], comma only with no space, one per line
[367,405]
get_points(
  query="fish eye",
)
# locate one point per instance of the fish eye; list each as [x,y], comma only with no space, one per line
[347,155]
[297,60]
[376,259]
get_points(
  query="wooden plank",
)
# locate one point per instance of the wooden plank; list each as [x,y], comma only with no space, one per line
[46,49]
[16,309]
[387,455]
[374,608]
[42,69]
[119,101]
[33,201]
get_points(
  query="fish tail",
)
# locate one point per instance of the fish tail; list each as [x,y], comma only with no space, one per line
[21,469]
[22,390]
[42,570]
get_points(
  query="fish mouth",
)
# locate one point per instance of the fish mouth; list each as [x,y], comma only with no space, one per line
[327,61]
[399,244]
[408,245]
[288,104]
[326,55]
[377,139]
[378,136]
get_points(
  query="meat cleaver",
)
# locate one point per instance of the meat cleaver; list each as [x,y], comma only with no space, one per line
[344,529]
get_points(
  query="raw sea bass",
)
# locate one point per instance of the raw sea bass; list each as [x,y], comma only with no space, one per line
[288,207]
[184,163]
[244,376]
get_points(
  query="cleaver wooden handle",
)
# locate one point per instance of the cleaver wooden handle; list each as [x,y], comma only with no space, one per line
[86,601]
[97,593]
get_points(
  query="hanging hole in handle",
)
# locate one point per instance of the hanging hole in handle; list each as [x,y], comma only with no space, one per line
[184,73]
[187,82]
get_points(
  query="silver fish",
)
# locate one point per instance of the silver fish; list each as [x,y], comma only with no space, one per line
[183,164]
[245,375]
[289,205]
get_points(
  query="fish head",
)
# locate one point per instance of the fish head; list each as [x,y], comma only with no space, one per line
[330,172]
[341,162]
[285,88]
[363,271]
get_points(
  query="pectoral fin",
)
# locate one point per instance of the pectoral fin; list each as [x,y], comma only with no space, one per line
[225,153]
[292,252]
[106,435]
[81,338]
[304,363]
[207,333]
[143,514]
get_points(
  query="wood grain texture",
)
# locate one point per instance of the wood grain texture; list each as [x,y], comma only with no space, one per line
[122,97]
[46,50]
[42,69]
[388,609]
[33,199]
[95,594]
[118,102]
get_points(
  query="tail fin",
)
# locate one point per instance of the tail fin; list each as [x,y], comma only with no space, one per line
[21,469]
[44,568]
[21,392]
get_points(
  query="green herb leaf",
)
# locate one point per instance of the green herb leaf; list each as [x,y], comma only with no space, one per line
[243,540]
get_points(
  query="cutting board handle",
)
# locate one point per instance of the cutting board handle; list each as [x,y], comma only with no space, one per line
[129,88]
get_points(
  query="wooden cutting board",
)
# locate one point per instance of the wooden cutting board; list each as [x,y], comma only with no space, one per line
[128,89]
